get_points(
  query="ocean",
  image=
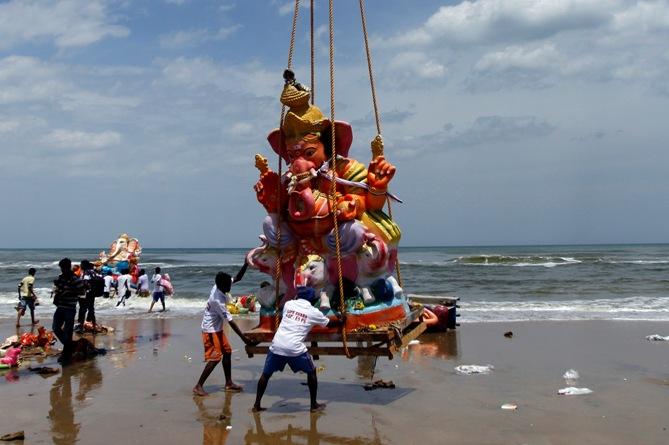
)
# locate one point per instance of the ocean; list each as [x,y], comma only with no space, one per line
[499,283]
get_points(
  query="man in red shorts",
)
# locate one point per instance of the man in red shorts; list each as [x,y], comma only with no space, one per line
[216,345]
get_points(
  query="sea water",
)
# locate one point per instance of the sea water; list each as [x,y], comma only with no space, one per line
[609,282]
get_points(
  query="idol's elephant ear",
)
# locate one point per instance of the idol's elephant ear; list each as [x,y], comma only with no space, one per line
[133,246]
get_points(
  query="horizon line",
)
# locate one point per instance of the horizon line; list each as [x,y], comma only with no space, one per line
[405,247]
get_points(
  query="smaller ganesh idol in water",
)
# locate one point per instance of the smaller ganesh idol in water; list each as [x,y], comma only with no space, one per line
[368,238]
[124,253]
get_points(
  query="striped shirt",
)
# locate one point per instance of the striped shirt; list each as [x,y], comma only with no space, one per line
[67,291]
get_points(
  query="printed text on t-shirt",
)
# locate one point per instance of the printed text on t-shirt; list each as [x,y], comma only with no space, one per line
[297,316]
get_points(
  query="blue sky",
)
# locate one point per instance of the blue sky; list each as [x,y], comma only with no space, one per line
[510,121]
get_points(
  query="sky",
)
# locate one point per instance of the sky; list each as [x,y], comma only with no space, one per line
[509,121]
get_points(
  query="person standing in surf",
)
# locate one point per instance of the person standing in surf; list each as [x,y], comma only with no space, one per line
[27,297]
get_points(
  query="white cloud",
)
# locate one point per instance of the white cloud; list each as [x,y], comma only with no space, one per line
[241,129]
[80,139]
[417,63]
[197,72]
[643,17]
[20,124]
[67,23]
[25,80]
[182,39]
[8,126]
[542,57]
[486,21]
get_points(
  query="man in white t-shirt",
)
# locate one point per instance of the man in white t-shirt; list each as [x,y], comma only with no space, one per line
[288,347]
[216,345]
[158,291]
[123,287]
[109,279]
[142,284]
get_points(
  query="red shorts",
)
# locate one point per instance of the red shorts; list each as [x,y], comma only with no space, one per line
[215,345]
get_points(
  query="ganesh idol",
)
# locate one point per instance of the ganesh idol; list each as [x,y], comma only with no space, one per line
[124,252]
[302,203]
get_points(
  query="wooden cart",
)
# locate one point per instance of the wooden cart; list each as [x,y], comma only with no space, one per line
[383,341]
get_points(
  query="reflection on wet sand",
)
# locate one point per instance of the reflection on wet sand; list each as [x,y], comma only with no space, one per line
[61,413]
[311,436]
[124,350]
[214,423]
[434,346]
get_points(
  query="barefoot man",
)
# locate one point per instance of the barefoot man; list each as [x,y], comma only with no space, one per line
[216,345]
[27,297]
[287,347]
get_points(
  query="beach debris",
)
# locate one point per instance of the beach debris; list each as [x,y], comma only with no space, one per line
[656,337]
[509,406]
[228,427]
[508,334]
[379,384]
[571,374]
[413,342]
[474,369]
[19,435]
[573,391]
[45,370]
[9,341]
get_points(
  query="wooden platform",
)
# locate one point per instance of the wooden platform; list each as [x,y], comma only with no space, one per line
[383,342]
[447,300]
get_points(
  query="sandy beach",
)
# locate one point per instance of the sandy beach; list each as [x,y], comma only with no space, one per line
[140,392]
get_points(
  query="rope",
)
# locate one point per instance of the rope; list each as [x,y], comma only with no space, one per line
[313,78]
[369,66]
[397,256]
[376,110]
[277,271]
[333,188]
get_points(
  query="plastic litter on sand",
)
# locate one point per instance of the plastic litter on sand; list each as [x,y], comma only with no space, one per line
[509,406]
[413,342]
[571,374]
[573,391]
[474,369]
[656,337]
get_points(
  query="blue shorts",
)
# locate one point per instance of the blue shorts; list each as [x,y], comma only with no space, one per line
[276,362]
[159,296]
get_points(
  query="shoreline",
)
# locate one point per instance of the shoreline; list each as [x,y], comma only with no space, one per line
[141,390]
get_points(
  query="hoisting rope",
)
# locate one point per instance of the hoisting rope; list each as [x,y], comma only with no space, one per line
[313,79]
[333,188]
[277,271]
[369,66]
[376,114]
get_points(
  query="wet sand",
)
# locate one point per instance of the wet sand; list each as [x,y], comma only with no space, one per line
[140,392]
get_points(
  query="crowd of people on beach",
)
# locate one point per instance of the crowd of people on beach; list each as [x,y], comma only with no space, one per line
[79,286]
[82,284]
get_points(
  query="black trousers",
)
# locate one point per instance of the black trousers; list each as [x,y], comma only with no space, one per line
[86,305]
[63,325]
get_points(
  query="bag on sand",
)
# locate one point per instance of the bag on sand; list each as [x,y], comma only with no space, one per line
[166,284]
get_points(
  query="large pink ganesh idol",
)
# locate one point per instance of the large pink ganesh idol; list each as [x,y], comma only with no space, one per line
[304,205]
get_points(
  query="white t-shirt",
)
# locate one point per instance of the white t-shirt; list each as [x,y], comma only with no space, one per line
[123,284]
[216,311]
[143,283]
[156,283]
[108,281]
[299,316]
